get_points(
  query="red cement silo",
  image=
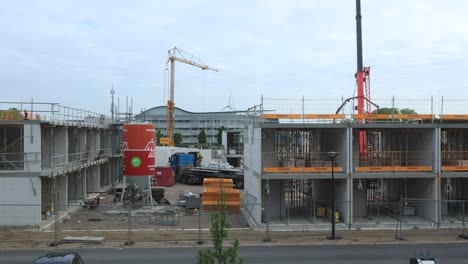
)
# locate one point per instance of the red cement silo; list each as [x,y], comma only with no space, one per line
[139,149]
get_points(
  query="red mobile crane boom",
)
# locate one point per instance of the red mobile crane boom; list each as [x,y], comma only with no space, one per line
[362,79]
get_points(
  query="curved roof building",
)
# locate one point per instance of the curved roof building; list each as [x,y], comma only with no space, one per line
[189,124]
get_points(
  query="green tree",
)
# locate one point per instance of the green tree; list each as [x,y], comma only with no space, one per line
[219,136]
[177,138]
[408,111]
[386,110]
[390,110]
[202,137]
[219,233]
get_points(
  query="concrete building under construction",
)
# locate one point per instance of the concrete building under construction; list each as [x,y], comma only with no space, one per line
[409,166]
[53,157]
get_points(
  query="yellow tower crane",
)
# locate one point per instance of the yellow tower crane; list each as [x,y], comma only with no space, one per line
[177,54]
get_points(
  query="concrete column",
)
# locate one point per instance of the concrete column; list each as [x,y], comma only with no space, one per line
[62,182]
[32,147]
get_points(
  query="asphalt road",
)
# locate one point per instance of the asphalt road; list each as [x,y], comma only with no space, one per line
[381,254]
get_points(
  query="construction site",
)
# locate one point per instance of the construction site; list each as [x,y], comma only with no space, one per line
[284,164]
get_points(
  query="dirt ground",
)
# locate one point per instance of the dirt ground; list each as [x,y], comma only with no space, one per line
[110,215]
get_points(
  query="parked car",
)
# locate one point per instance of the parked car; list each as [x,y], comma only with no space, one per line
[60,257]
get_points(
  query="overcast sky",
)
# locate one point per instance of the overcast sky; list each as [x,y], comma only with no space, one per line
[71,52]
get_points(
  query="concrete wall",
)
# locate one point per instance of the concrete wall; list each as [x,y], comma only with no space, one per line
[274,199]
[342,199]
[268,149]
[19,206]
[59,145]
[32,148]
[422,140]
[424,189]
[253,188]
[359,198]
[62,182]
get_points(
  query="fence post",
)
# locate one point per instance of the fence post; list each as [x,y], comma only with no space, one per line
[463,235]
[267,211]
[56,229]
[129,238]
[200,241]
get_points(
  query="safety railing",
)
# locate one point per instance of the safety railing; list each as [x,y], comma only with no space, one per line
[381,110]
[454,160]
[394,161]
[76,160]
[18,161]
[300,162]
[53,113]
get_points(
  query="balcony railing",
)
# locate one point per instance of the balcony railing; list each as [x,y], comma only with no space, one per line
[394,161]
[79,159]
[300,162]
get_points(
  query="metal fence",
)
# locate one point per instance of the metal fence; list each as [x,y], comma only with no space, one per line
[174,224]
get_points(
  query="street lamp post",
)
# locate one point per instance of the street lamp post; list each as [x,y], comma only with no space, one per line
[332,155]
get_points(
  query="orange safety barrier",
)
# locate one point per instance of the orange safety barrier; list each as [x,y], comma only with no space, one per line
[372,116]
[374,168]
[324,116]
[300,169]
[413,116]
[454,117]
[413,168]
[322,169]
[455,168]
[393,168]
[282,116]
[281,169]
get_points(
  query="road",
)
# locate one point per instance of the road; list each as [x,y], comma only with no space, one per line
[382,254]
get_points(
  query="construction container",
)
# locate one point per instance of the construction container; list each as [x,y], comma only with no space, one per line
[164,176]
[186,160]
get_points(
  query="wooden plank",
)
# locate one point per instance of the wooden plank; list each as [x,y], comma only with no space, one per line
[321,169]
[282,170]
[374,168]
[413,168]
[323,116]
[455,168]
[454,117]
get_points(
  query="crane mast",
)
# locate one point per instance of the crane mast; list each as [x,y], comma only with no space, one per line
[177,54]
[362,80]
